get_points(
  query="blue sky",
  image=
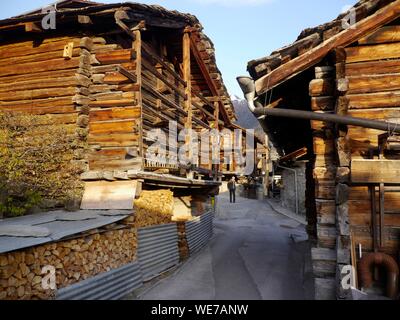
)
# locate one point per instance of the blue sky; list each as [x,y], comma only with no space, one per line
[241,30]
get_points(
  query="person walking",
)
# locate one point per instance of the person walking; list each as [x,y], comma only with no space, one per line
[232,190]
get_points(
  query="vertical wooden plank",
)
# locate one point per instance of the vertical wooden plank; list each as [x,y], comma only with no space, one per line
[214,168]
[188,89]
[382,213]
[373,218]
[137,46]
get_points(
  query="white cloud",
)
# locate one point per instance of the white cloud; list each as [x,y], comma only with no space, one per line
[234,3]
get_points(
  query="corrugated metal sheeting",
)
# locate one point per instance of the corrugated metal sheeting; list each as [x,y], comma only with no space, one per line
[59,224]
[111,285]
[199,231]
[157,249]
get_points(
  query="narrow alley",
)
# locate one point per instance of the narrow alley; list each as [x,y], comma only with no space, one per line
[256,253]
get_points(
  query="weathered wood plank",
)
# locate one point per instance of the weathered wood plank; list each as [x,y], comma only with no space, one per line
[38,76]
[375,171]
[372,68]
[115,113]
[374,100]
[326,211]
[37,57]
[114,139]
[383,35]
[373,52]
[48,82]
[344,38]
[32,67]
[38,94]
[122,126]
[116,56]
[323,146]
[35,47]
[115,164]
[115,78]
[325,190]
[322,87]
[374,83]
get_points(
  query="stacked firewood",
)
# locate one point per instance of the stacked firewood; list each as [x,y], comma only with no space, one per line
[74,260]
[182,241]
[154,208]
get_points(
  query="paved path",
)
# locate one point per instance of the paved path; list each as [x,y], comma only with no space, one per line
[255,254]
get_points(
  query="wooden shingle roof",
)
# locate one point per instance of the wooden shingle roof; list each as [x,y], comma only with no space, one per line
[314,43]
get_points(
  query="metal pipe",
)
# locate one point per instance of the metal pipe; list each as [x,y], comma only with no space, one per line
[326,117]
[295,185]
[392,270]
[249,90]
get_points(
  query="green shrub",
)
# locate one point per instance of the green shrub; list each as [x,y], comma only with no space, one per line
[36,162]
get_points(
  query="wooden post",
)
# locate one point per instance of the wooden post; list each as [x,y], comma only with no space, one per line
[343,243]
[188,92]
[137,46]
[214,167]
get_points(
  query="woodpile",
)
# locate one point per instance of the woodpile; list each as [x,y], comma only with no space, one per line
[182,242]
[154,208]
[74,260]
[182,209]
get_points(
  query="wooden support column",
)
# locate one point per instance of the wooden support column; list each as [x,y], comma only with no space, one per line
[188,93]
[343,243]
[137,46]
[214,167]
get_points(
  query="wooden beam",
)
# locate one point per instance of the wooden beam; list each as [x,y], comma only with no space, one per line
[150,52]
[373,52]
[207,77]
[188,92]
[32,27]
[375,171]
[137,46]
[383,35]
[216,115]
[344,38]
[84,19]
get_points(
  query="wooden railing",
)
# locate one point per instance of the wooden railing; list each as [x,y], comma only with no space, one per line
[170,103]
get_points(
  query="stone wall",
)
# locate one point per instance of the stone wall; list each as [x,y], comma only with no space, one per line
[288,192]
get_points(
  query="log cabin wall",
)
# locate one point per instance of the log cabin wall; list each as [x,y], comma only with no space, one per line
[372,70]
[49,77]
[322,92]
[114,109]
[92,83]
[362,81]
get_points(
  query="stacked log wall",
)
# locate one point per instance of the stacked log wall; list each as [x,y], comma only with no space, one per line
[373,70]
[114,111]
[43,78]
[163,98]
[322,92]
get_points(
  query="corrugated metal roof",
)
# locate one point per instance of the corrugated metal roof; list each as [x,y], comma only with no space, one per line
[61,224]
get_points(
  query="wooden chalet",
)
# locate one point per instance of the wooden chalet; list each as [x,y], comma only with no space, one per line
[353,200]
[111,73]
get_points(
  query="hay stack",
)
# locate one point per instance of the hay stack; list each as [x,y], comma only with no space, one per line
[154,208]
